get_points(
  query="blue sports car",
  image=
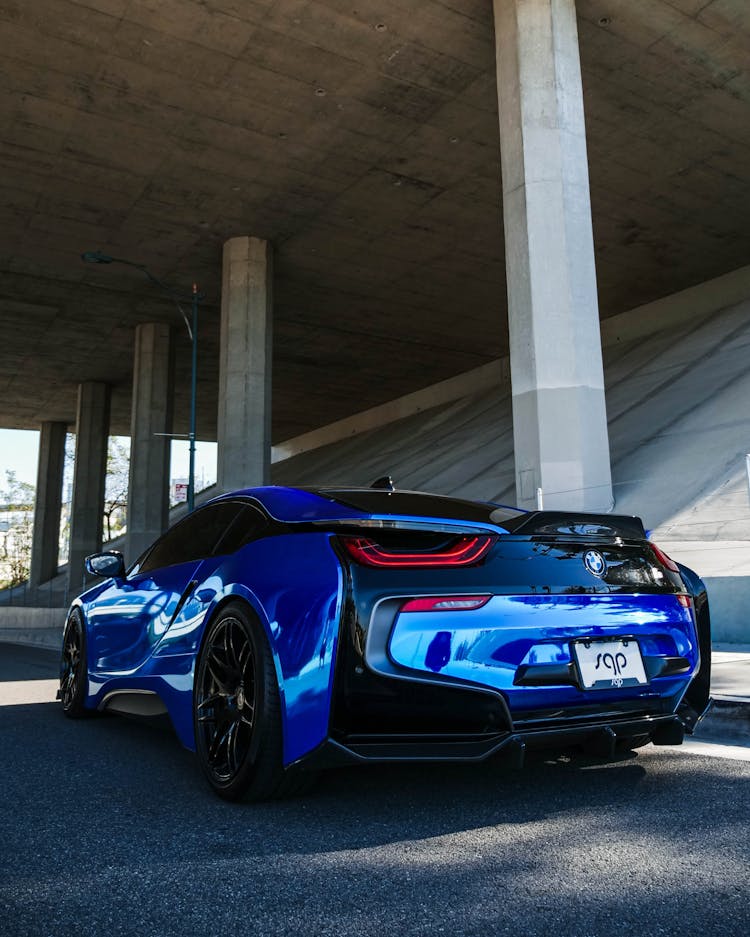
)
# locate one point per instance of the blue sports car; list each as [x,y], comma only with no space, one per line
[289,629]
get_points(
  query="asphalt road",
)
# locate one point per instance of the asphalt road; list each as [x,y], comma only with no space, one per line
[106,828]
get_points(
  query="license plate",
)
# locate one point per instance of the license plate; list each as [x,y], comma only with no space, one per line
[608,664]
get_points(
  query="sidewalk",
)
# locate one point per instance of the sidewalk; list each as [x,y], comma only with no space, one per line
[728,720]
[730,672]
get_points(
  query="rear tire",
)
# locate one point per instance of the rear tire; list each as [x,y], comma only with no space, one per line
[237,711]
[73,668]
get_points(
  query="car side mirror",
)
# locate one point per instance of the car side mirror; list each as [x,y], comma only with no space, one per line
[109,564]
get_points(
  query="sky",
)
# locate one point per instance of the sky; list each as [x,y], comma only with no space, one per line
[19,450]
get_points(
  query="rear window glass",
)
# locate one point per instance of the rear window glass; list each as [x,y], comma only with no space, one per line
[374,501]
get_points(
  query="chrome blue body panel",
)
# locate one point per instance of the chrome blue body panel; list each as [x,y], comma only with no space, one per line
[134,645]
[486,646]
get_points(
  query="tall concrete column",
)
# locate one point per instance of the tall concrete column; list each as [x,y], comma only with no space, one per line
[151,414]
[49,479]
[244,423]
[559,415]
[89,475]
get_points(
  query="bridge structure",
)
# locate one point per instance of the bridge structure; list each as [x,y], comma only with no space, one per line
[386,207]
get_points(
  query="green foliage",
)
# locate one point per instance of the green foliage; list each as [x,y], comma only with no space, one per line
[17,495]
[16,530]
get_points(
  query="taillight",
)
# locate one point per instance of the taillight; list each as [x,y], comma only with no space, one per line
[462,551]
[446,603]
[665,560]
[685,601]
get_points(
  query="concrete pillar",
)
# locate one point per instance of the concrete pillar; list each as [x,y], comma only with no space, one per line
[89,474]
[244,423]
[559,415]
[151,414]
[49,479]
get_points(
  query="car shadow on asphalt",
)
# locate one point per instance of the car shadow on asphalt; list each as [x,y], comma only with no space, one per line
[115,767]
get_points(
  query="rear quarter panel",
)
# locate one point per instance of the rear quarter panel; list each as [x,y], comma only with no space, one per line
[293,582]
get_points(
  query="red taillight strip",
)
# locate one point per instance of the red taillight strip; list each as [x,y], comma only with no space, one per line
[665,560]
[446,603]
[464,552]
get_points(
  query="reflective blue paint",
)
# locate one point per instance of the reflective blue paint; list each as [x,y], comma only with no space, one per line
[128,619]
[296,595]
[292,505]
[487,645]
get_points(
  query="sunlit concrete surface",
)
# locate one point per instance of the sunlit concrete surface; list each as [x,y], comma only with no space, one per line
[23,692]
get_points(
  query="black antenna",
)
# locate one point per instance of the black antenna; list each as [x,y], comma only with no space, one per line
[384,483]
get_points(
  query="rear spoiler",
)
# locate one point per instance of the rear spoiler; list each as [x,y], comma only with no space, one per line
[574,524]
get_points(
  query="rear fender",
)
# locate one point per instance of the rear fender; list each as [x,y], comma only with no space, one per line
[698,696]
[297,597]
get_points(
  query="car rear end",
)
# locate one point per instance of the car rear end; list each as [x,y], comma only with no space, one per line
[469,629]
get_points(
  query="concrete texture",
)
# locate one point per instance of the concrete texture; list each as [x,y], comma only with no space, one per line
[151,420]
[245,363]
[89,475]
[362,140]
[49,480]
[559,418]
[39,627]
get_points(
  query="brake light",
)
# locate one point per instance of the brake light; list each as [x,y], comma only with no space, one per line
[665,560]
[446,603]
[463,551]
[685,601]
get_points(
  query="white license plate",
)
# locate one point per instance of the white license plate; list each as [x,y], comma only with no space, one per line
[607,664]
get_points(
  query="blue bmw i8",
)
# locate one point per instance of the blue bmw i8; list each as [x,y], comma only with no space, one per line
[285,630]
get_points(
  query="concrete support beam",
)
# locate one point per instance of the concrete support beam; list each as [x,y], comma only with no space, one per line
[151,414]
[244,422]
[92,432]
[49,479]
[559,415]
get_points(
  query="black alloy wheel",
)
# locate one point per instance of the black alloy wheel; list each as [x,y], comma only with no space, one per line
[237,711]
[73,675]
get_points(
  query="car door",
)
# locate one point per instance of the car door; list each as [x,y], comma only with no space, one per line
[128,620]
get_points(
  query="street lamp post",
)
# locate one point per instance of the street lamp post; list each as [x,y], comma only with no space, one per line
[194,297]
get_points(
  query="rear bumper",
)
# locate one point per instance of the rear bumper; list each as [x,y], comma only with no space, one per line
[597,736]
[503,689]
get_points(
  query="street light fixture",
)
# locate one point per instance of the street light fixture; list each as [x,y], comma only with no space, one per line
[194,297]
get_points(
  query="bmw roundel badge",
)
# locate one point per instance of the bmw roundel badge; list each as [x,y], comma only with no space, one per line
[595,562]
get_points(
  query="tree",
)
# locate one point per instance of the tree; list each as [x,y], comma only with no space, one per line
[17,514]
[116,488]
[17,495]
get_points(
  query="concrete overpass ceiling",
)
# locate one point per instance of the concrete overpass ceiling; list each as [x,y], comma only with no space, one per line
[361,138]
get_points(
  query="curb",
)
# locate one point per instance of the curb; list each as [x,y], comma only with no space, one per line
[728,720]
[45,638]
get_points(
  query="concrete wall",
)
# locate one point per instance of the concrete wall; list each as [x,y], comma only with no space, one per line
[42,627]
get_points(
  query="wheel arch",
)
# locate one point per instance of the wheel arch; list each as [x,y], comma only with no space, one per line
[239,594]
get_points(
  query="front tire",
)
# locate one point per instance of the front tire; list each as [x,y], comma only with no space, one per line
[237,710]
[73,668]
